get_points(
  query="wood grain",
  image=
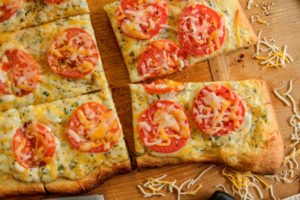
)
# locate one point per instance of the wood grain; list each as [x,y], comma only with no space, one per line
[284,27]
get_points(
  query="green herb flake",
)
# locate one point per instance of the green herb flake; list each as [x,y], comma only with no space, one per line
[137,154]
[45,93]
[60,167]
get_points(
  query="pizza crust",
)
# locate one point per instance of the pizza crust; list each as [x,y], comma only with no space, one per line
[98,176]
[10,186]
[265,159]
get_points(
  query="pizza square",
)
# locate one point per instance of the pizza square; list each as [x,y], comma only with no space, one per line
[49,62]
[233,123]
[67,146]
[19,14]
[163,36]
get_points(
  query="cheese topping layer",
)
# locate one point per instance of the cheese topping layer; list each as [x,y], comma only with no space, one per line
[250,137]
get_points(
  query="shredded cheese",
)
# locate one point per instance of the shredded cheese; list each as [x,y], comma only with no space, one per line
[154,185]
[273,55]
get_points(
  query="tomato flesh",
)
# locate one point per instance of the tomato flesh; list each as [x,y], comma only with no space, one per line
[8,9]
[217,110]
[201,30]
[20,73]
[33,145]
[164,127]
[73,53]
[93,128]
[142,19]
[161,57]
[163,86]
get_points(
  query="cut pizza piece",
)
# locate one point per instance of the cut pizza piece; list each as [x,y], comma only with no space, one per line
[225,122]
[67,146]
[49,62]
[19,14]
[160,37]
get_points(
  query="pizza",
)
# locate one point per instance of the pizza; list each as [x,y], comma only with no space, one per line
[233,123]
[49,62]
[159,37]
[19,14]
[64,147]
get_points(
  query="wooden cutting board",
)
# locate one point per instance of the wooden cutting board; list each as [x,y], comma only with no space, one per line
[283,26]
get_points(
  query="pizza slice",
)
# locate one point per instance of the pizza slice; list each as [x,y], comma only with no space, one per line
[226,122]
[49,62]
[159,37]
[19,14]
[64,147]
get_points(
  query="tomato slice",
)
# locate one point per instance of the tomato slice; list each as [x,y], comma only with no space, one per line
[164,127]
[201,30]
[73,53]
[93,128]
[164,86]
[217,110]
[55,1]
[8,8]
[161,57]
[142,19]
[19,73]
[33,145]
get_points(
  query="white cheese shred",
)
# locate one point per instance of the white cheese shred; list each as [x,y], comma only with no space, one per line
[249,4]
[222,186]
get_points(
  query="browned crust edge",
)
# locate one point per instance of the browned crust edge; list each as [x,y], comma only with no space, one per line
[9,186]
[149,161]
[95,178]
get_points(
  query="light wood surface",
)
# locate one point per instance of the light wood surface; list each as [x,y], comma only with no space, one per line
[284,27]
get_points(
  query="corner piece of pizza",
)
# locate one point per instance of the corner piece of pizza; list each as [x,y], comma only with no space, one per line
[159,37]
[67,146]
[49,62]
[19,14]
[233,123]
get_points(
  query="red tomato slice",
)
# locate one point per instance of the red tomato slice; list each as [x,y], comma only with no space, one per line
[164,86]
[73,53]
[142,19]
[93,128]
[19,73]
[164,127]
[8,8]
[218,110]
[161,57]
[55,1]
[201,30]
[33,145]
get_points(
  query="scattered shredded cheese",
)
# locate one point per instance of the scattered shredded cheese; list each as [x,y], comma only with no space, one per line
[273,55]
[154,185]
